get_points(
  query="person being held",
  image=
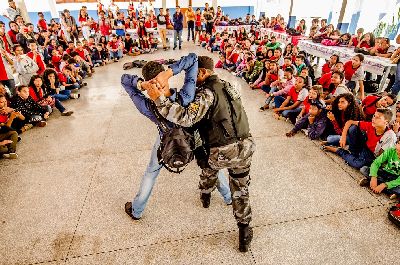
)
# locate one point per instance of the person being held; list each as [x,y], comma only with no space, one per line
[354,74]
[290,107]
[53,86]
[252,75]
[31,110]
[230,146]
[325,79]
[314,122]
[367,140]
[134,87]
[384,173]
[96,57]
[373,102]
[80,63]
[38,94]
[343,108]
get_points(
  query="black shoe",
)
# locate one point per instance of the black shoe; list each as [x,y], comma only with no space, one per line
[128,210]
[205,199]
[245,237]
[180,47]
[174,48]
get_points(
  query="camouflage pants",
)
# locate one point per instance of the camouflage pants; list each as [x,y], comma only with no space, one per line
[236,158]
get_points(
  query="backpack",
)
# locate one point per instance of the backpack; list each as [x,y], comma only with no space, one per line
[394,214]
[176,146]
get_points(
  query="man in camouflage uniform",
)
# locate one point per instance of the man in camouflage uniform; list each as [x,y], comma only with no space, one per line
[218,114]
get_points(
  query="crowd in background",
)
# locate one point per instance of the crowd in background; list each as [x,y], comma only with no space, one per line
[45,64]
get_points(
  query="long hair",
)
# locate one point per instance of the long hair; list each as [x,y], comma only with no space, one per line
[46,74]
[32,85]
[352,112]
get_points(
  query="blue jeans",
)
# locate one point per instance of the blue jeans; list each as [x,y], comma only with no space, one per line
[396,85]
[63,95]
[383,177]
[149,178]
[334,140]
[271,90]
[114,55]
[358,155]
[177,37]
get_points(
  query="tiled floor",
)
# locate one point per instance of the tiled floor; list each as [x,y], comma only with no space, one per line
[62,200]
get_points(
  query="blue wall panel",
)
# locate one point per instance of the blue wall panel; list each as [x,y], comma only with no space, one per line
[353,23]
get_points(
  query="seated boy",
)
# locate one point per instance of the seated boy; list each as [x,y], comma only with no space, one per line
[315,122]
[8,142]
[366,140]
[384,173]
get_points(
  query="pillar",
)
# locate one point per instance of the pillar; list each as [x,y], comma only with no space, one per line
[164,4]
[53,9]
[341,26]
[215,4]
[24,12]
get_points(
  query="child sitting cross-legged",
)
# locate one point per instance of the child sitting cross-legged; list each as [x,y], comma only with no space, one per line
[315,122]
[366,140]
[290,106]
[384,173]
[314,94]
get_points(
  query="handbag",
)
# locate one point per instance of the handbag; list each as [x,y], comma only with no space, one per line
[48,101]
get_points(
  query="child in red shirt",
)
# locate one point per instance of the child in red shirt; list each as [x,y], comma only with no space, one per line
[56,59]
[42,24]
[326,68]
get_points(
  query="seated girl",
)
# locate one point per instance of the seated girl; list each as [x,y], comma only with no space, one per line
[290,106]
[314,122]
[367,42]
[384,173]
[314,95]
[32,111]
[39,95]
[327,67]
[343,109]
[53,86]
[354,74]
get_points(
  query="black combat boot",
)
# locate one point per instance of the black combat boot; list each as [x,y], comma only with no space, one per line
[205,199]
[245,237]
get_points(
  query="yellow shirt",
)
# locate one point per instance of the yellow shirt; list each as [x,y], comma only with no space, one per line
[190,15]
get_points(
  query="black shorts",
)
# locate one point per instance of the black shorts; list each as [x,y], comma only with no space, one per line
[198,28]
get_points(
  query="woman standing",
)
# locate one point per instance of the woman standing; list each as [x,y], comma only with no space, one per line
[84,23]
[190,18]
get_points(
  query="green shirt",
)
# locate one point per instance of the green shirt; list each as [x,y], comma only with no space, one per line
[273,46]
[391,164]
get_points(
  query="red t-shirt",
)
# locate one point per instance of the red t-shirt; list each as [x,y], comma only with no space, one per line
[293,94]
[372,138]
[33,94]
[306,104]
[369,105]
[354,41]
[104,26]
[3,118]
[364,44]
[325,80]
[349,70]
[56,60]
[39,62]
[198,20]
[81,53]
[6,46]
[62,78]
[326,68]
[42,24]
[113,45]
[13,36]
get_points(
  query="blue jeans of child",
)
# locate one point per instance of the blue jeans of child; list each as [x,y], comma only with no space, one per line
[396,85]
[63,95]
[271,90]
[177,37]
[114,55]
[358,155]
[278,100]
[149,178]
[383,177]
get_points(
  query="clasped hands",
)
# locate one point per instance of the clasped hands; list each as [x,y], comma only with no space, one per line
[158,86]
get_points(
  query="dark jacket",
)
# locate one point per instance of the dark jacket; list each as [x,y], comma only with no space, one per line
[178,21]
[315,130]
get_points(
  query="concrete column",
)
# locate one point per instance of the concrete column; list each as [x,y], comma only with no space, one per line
[164,4]
[24,12]
[341,16]
[53,9]
[215,4]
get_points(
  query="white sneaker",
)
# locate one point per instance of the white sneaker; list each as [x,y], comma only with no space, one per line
[10,156]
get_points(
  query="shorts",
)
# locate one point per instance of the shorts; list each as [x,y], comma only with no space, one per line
[198,28]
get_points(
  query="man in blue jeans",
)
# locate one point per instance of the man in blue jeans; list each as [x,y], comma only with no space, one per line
[133,85]
[178,27]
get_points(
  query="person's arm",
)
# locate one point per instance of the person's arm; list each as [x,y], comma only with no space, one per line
[317,128]
[293,106]
[300,124]
[361,84]
[189,65]
[186,117]
[346,127]
[130,84]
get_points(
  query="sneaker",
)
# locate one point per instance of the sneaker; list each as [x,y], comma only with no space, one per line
[174,48]
[128,210]
[41,124]
[364,182]
[245,237]
[205,199]
[10,156]
[180,47]
[75,95]
[67,113]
